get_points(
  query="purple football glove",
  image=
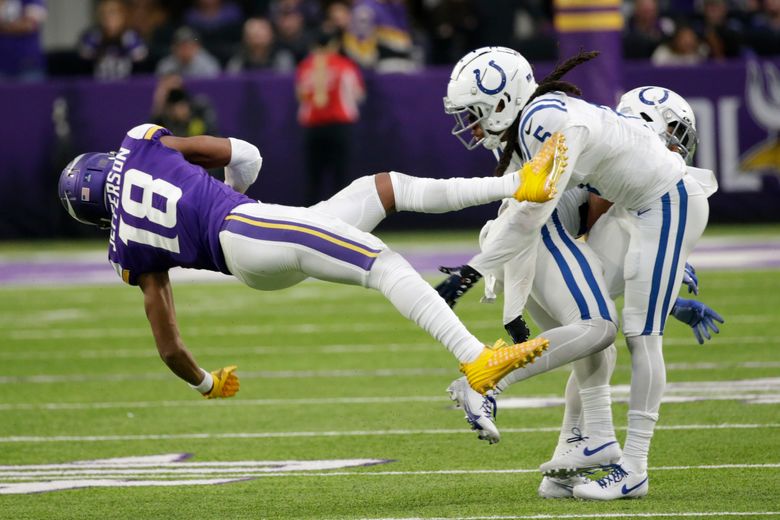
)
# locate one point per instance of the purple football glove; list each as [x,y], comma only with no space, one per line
[698,316]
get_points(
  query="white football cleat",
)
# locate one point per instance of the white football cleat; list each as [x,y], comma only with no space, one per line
[480,409]
[585,454]
[619,483]
[552,487]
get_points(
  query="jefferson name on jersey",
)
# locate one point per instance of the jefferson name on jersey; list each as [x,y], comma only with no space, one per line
[166,212]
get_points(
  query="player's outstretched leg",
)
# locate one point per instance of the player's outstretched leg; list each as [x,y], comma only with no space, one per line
[368,200]
[494,363]
[415,299]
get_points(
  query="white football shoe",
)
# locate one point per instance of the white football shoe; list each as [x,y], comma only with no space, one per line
[585,454]
[551,487]
[619,483]
[480,409]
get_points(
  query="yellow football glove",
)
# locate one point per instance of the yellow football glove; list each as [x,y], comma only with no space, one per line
[225,383]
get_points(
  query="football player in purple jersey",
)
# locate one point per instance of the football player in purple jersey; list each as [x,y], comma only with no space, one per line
[164,210]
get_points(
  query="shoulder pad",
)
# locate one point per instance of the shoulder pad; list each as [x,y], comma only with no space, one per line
[148,131]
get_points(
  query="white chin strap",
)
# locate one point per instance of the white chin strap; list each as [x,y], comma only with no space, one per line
[492,141]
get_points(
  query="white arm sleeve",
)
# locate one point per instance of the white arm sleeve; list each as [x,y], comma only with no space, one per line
[244,166]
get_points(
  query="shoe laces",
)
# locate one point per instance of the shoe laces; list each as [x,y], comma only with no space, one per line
[489,406]
[576,436]
[613,477]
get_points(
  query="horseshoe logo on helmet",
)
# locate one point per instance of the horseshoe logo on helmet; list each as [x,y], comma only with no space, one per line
[644,99]
[496,90]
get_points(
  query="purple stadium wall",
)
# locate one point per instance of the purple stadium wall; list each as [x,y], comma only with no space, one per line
[403,128]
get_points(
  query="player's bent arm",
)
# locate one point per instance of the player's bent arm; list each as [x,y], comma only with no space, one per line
[158,303]
[242,160]
[203,150]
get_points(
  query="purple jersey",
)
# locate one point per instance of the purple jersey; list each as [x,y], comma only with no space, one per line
[166,212]
[20,53]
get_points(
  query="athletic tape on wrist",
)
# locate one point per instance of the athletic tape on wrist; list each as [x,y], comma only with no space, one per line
[206,384]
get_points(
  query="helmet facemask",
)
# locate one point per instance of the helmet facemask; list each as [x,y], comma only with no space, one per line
[680,135]
[466,120]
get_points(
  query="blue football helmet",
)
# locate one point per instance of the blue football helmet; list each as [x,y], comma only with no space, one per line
[82,188]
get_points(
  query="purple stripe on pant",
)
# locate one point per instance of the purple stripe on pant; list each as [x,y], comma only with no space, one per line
[305,237]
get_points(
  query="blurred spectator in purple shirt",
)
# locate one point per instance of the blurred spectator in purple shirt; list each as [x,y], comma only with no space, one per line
[21,57]
[218,23]
[188,58]
[380,35]
[259,50]
[112,47]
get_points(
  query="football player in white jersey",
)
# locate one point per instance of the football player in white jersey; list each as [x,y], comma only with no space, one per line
[612,154]
[670,116]
[673,120]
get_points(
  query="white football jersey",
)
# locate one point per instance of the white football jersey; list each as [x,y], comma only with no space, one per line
[617,156]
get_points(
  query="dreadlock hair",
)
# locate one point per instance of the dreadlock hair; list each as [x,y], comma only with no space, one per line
[550,83]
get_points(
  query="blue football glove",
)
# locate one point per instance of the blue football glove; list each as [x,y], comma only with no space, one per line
[700,318]
[461,279]
[691,280]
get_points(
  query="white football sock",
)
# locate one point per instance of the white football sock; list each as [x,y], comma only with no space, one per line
[648,380]
[423,195]
[638,437]
[572,413]
[415,299]
[597,412]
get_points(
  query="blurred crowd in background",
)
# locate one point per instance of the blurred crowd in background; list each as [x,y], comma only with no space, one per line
[207,37]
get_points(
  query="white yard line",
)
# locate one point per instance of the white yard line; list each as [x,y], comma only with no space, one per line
[147,353]
[22,472]
[36,439]
[229,402]
[260,374]
[689,514]
[94,472]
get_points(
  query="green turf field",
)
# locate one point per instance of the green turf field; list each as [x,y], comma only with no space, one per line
[332,372]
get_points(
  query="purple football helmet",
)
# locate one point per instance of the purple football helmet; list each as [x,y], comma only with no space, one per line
[82,188]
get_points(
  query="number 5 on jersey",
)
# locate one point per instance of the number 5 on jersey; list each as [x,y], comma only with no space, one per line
[135,181]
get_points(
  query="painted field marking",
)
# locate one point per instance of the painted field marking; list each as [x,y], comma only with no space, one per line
[152,470]
[35,439]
